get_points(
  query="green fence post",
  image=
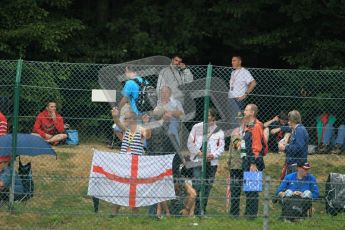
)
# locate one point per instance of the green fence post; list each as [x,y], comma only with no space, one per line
[15,128]
[204,137]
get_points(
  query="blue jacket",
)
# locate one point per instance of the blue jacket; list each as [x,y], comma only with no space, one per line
[307,183]
[297,149]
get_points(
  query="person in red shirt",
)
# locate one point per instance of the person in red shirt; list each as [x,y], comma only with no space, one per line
[3,124]
[49,125]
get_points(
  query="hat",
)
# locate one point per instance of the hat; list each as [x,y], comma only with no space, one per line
[304,165]
[5,158]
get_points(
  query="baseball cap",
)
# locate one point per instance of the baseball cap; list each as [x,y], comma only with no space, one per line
[5,158]
[304,165]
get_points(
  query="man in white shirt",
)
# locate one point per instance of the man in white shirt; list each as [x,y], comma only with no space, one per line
[174,75]
[215,148]
[241,82]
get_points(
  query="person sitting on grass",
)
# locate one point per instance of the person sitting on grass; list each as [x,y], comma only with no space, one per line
[49,125]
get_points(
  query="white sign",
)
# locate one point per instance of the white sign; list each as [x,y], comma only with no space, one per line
[103,95]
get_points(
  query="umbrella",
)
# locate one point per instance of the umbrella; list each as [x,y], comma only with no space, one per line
[27,144]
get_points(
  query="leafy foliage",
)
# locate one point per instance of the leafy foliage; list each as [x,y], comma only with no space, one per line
[269,33]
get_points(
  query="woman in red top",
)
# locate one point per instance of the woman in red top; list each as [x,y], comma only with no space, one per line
[3,124]
[49,125]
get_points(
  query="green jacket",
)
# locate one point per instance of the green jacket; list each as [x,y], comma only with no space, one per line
[331,120]
[235,160]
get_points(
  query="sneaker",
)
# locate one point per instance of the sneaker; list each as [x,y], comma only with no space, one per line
[337,149]
[323,148]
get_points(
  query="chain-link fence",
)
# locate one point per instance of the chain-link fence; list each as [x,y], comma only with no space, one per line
[64,184]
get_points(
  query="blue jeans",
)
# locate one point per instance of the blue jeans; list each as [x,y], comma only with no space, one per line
[329,132]
[174,129]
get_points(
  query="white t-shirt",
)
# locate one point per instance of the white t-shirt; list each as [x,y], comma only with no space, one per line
[239,82]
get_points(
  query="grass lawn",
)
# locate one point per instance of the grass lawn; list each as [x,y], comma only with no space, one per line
[61,200]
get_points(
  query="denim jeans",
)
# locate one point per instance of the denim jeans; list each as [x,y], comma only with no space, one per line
[329,132]
[174,129]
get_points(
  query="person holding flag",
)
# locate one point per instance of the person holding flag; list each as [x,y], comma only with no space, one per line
[133,138]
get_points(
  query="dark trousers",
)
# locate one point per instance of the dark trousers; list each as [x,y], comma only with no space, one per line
[197,182]
[236,181]
[252,204]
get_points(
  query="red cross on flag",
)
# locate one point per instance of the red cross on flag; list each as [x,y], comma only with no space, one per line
[131,180]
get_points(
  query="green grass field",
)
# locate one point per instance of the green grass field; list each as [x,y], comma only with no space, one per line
[61,200]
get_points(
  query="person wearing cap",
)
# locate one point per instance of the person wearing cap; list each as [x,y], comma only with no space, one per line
[276,130]
[5,179]
[297,149]
[300,183]
[298,188]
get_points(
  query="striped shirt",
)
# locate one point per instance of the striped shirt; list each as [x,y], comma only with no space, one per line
[132,143]
[3,125]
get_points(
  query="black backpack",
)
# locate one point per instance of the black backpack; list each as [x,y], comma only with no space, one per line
[335,193]
[147,96]
[25,174]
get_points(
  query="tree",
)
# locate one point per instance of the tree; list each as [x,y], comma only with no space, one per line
[35,29]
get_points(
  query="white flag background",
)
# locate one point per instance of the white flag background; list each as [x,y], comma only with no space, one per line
[131,180]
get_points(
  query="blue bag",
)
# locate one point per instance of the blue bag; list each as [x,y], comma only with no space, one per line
[252,181]
[72,137]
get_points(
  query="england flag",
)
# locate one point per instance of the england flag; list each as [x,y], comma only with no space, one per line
[131,180]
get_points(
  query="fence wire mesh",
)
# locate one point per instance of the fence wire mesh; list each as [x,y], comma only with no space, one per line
[62,185]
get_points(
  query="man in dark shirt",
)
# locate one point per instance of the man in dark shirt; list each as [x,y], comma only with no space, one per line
[276,130]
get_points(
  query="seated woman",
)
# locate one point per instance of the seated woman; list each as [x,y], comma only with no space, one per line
[5,180]
[49,125]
